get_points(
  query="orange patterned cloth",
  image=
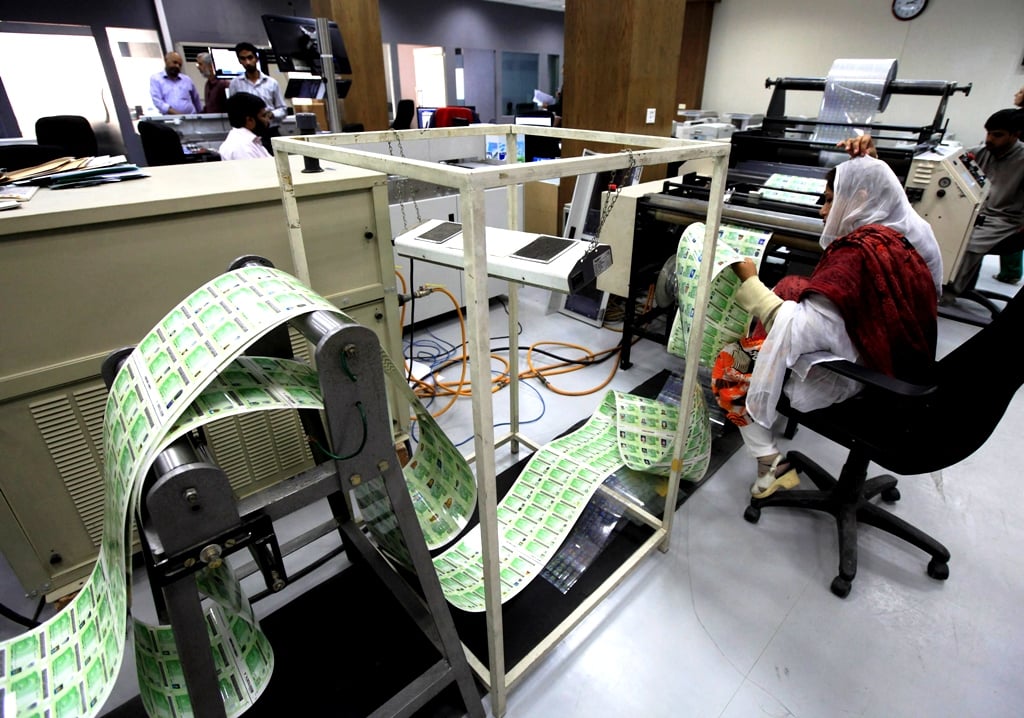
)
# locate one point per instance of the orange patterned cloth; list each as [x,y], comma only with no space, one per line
[730,377]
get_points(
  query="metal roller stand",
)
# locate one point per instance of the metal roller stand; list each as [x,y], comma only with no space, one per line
[188,517]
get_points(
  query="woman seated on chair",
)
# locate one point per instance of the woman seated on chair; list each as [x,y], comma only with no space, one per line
[871,299]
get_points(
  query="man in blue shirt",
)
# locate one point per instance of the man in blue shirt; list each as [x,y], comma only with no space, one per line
[172,92]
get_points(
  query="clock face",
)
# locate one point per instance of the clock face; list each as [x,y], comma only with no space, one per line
[908,9]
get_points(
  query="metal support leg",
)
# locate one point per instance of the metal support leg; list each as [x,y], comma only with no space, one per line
[185,612]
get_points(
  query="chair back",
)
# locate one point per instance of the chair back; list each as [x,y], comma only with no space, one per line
[161,144]
[977,381]
[973,386]
[454,116]
[73,133]
[404,114]
[18,157]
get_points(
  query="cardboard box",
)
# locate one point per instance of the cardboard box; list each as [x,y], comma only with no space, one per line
[540,205]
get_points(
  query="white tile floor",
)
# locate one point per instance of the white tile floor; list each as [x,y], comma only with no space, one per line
[736,619]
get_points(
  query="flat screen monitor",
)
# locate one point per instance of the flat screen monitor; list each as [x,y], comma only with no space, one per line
[538,120]
[304,87]
[424,115]
[314,88]
[539,148]
[226,62]
[295,43]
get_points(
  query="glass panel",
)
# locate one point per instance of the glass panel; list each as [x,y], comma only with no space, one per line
[428,64]
[519,78]
[554,74]
[137,56]
[88,95]
[479,78]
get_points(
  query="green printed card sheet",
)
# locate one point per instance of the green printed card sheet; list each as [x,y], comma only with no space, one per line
[725,321]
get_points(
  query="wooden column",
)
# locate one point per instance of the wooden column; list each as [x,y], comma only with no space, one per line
[693,52]
[621,58]
[359,23]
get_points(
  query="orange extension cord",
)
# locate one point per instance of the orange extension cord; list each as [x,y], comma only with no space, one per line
[463,387]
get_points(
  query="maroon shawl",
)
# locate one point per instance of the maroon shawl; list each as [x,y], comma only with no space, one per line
[886,295]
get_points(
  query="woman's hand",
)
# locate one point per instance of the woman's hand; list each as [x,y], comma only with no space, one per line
[859,146]
[745,269]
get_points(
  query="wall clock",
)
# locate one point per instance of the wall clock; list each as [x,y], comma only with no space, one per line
[908,9]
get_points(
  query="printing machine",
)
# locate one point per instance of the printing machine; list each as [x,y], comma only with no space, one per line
[196,131]
[943,183]
[703,129]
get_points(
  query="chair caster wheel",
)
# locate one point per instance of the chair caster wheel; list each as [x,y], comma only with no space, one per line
[841,586]
[752,514]
[938,570]
[891,496]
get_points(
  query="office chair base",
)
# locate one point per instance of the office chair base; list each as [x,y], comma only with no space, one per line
[984,298]
[848,502]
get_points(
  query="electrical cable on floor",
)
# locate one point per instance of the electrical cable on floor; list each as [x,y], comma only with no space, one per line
[438,388]
[543,411]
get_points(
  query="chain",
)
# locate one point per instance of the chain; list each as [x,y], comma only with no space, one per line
[607,209]
[402,184]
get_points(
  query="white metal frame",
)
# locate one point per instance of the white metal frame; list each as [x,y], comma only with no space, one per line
[363,150]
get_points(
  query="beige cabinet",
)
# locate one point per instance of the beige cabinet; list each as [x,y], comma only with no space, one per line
[87,271]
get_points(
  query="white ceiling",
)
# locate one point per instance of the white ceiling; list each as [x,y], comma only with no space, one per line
[556,5]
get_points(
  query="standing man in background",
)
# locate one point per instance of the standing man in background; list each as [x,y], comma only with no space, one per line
[1001,216]
[255,82]
[1011,266]
[172,92]
[215,90]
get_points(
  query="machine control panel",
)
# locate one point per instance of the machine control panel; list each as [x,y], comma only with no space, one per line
[971,166]
[947,188]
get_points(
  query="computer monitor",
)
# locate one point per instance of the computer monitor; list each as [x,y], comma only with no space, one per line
[540,120]
[424,115]
[295,43]
[313,88]
[539,148]
[304,87]
[226,62]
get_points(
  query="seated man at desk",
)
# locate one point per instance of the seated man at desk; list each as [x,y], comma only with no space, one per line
[173,93]
[249,119]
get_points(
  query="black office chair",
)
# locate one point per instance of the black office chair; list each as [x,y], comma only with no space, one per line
[18,157]
[404,114]
[907,429]
[162,146]
[73,133]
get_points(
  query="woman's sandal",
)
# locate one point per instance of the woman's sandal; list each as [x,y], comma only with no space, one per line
[772,480]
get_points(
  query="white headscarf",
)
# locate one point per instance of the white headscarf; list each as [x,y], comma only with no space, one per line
[868,192]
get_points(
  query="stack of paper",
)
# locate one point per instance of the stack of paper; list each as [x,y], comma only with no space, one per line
[67,172]
[41,170]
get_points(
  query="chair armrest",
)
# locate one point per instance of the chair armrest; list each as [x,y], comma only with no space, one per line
[877,379]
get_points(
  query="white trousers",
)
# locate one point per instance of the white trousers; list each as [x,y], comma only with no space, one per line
[758,440]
